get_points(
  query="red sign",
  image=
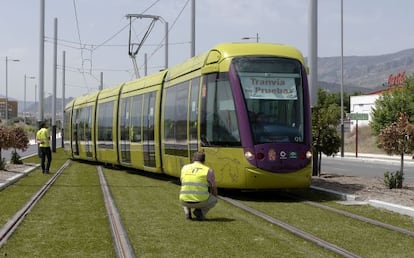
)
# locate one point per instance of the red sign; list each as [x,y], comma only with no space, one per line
[396,79]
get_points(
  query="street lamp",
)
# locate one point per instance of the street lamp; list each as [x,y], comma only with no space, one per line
[7,96]
[24,106]
[254,37]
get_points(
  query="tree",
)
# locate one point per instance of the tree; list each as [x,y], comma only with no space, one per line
[19,141]
[398,138]
[5,143]
[325,119]
[391,104]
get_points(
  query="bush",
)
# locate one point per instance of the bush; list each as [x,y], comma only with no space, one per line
[393,179]
[3,164]
[15,158]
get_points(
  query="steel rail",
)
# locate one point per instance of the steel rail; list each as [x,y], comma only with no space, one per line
[120,238]
[353,215]
[362,218]
[18,218]
[334,248]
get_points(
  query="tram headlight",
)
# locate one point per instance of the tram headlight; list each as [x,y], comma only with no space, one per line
[249,155]
[308,155]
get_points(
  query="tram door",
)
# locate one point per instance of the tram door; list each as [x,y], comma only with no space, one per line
[75,140]
[148,132]
[125,130]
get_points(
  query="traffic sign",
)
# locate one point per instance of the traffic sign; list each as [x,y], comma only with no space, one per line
[358,116]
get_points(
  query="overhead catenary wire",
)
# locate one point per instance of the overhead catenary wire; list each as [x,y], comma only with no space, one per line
[80,43]
[92,47]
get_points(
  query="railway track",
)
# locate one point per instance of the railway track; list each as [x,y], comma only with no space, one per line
[310,237]
[120,239]
[121,242]
[267,204]
[18,218]
[300,233]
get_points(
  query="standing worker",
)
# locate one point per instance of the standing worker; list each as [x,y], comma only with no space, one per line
[43,141]
[198,187]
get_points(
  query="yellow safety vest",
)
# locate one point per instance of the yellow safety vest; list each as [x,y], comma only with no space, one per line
[42,136]
[194,184]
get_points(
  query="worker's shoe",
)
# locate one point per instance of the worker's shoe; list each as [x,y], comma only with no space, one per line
[198,214]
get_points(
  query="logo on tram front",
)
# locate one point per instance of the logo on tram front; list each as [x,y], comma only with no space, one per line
[271,154]
[283,155]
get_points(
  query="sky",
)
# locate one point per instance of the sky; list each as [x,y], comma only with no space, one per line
[94,35]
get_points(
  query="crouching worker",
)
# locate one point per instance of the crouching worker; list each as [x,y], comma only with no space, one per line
[198,187]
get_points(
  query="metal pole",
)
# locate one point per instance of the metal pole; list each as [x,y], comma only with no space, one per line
[7,88]
[313,65]
[63,96]
[192,28]
[342,78]
[41,60]
[7,96]
[257,37]
[313,50]
[166,46]
[145,64]
[101,84]
[24,106]
[54,86]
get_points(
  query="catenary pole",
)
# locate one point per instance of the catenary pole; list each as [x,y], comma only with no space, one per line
[41,62]
[313,65]
[192,28]
[54,85]
[342,78]
[166,45]
[313,50]
[62,130]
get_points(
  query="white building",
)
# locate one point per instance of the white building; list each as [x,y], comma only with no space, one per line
[362,104]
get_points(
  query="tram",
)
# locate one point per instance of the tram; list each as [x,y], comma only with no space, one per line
[211,102]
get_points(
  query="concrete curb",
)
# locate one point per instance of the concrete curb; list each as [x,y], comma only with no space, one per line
[392,207]
[375,203]
[16,177]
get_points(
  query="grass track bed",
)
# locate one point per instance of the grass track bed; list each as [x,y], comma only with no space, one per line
[70,221]
[355,236]
[156,226]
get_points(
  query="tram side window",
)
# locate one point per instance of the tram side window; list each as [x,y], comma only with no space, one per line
[219,120]
[85,123]
[136,118]
[124,118]
[105,116]
[175,119]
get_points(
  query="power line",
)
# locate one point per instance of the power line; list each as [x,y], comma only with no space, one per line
[169,29]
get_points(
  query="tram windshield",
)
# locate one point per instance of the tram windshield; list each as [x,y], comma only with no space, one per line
[273,93]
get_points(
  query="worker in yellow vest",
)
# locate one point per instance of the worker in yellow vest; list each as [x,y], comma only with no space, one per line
[198,187]
[43,141]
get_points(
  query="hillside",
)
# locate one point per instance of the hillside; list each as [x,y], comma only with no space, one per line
[363,73]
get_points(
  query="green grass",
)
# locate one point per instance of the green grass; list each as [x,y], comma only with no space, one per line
[359,237]
[70,221]
[157,228]
[15,196]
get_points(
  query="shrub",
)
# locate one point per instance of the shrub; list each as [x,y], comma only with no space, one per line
[393,179]
[15,158]
[3,164]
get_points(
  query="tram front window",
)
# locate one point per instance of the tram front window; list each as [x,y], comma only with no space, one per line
[273,93]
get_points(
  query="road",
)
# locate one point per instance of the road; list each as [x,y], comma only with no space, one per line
[366,167]
[30,151]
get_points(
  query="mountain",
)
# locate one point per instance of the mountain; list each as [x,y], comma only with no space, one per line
[363,73]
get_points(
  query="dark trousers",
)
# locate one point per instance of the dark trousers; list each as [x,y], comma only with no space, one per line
[45,152]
